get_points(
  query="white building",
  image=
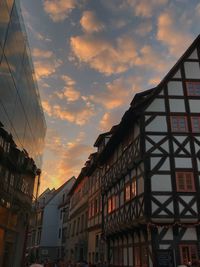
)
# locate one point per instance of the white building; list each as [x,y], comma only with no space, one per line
[48,229]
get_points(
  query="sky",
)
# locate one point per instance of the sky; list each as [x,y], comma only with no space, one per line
[91,57]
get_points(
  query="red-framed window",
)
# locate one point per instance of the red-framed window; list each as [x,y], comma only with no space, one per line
[127,192]
[195,124]
[188,253]
[179,124]
[193,88]
[137,259]
[185,182]
[133,188]
[111,204]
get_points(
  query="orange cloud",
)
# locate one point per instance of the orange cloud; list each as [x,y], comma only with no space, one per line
[59,10]
[39,53]
[176,38]
[72,157]
[110,119]
[90,23]
[146,8]
[102,55]
[117,93]
[69,92]
[78,114]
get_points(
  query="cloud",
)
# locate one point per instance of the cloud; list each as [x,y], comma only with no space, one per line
[39,53]
[175,37]
[110,119]
[152,59]
[45,63]
[144,28]
[146,8]
[71,158]
[58,10]
[90,23]
[102,55]
[117,92]
[78,114]
[44,69]
[69,91]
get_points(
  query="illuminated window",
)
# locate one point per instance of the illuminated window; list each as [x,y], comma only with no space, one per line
[185,182]
[193,88]
[137,257]
[127,192]
[179,124]
[188,253]
[133,188]
[195,124]
[111,203]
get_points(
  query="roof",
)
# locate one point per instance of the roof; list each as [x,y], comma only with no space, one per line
[140,101]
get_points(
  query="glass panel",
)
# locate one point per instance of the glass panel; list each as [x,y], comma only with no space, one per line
[4,20]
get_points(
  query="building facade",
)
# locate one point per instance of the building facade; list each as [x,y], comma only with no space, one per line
[77,236]
[150,177]
[45,235]
[22,132]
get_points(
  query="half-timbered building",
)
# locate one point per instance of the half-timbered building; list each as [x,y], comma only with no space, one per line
[150,173]
[77,235]
[95,241]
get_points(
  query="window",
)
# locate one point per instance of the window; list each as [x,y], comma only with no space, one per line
[195,124]
[144,257]
[185,182]
[127,194]
[137,257]
[188,253]
[111,203]
[193,88]
[179,124]
[133,188]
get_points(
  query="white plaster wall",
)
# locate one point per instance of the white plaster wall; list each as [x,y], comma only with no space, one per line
[192,70]
[164,167]
[177,105]
[161,182]
[193,55]
[183,163]
[194,105]
[190,234]
[175,88]
[158,124]
[177,74]
[157,105]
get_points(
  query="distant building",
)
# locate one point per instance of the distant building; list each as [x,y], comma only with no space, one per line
[77,236]
[45,233]
[64,226]
[150,173]
[22,132]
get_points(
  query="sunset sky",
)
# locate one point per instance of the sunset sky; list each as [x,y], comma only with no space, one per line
[90,58]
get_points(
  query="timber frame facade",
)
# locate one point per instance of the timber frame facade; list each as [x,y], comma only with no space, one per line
[150,173]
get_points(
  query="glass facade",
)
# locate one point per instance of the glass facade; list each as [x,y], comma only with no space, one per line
[20,108]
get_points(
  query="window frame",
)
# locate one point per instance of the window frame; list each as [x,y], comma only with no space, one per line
[189,247]
[184,173]
[192,123]
[193,89]
[178,129]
